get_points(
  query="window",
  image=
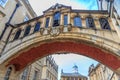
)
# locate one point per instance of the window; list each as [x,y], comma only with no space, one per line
[104,23]
[37,27]
[68,78]
[76,78]
[77,21]
[27,30]
[65,19]
[17,34]
[24,75]
[9,70]
[35,75]
[90,22]
[56,20]
[3,2]
[26,18]
[47,22]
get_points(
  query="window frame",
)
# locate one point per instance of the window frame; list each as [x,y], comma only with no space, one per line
[87,22]
[8,73]
[24,74]
[56,20]
[65,20]
[26,33]
[17,35]
[3,3]
[76,22]
[37,27]
[107,23]
[35,76]
[47,22]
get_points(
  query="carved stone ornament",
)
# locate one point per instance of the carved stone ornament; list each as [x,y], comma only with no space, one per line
[55,31]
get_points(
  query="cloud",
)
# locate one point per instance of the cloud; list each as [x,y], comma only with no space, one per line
[67,61]
[40,6]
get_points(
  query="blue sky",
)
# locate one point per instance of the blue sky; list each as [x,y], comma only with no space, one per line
[90,4]
[66,62]
[41,5]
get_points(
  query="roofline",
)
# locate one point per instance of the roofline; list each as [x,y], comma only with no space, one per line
[55,5]
[91,11]
[95,68]
[29,7]
[62,75]
[29,20]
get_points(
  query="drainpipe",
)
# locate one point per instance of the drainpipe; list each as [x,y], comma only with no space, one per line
[8,23]
[110,9]
[101,4]
[112,75]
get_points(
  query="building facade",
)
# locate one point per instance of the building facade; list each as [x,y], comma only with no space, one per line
[43,69]
[112,6]
[13,12]
[75,75]
[101,72]
[59,29]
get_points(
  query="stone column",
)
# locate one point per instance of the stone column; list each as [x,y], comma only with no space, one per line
[83,20]
[44,22]
[23,31]
[97,23]
[32,29]
[62,19]
[51,21]
[69,18]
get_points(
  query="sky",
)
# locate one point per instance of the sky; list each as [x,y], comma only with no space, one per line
[41,5]
[66,62]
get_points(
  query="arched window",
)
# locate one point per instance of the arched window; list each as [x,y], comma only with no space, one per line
[17,34]
[90,22]
[9,70]
[27,30]
[65,20]
[77,21]
[56,20]
[37,27]
[104,23]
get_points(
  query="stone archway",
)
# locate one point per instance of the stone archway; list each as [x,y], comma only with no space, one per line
[87,49]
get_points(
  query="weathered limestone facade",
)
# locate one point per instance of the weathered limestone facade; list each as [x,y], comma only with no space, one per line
[101,72]
[50,69]
[112,6]
[43,69]
[61,29]
[23,9]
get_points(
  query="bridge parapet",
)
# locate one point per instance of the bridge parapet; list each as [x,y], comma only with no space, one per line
[106,39]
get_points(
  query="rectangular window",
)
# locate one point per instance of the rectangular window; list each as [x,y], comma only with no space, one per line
[35,75]
[3,2]
[24,75]
[47,22]
[65,19]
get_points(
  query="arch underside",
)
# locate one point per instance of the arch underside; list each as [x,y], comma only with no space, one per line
[39,50]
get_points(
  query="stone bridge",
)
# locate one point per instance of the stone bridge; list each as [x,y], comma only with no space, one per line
[59,30]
